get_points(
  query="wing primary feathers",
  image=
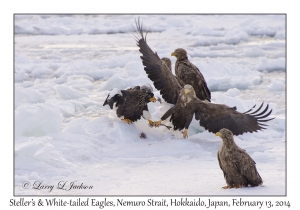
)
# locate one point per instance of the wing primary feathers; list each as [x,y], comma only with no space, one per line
[156,70]
[261,113]
[266,115]
[250,109]
[266,120]
[214,117]
[257,109]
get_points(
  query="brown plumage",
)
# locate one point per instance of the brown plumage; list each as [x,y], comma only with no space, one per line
[213,117]
[190,74]
[167,62]
[238,167]
[159,71]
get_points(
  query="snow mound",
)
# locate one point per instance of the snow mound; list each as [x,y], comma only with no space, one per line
[277,86]
[230,38]
[36,120]
[26,95]
[233,92]
[66,92]
[271,65]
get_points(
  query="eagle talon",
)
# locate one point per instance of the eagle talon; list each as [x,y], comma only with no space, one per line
[185,133]
[226,187]
[127,120]
[239,186]
[152,99]
[156,123]
[150,123]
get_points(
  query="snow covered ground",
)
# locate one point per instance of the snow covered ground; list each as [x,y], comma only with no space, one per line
[65,65]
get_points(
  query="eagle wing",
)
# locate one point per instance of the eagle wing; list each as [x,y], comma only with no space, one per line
[246,166]
[220,164]
[214,117]
[191,75]
[159,73]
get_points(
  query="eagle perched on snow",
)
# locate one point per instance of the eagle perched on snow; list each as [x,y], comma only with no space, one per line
[190,74]
[159,71]
[213,117]
[238,167]
[132,103]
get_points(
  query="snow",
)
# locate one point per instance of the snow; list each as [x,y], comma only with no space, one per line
[66,65]
[114,92]
[272,64]
[276,86]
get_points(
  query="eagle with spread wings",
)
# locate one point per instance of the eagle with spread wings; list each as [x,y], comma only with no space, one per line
[159,71]
[213,117]
[188,104]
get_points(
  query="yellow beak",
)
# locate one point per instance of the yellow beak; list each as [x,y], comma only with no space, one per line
[186,91]
[173,54]
[218,134]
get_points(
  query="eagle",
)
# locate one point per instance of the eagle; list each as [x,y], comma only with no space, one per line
[190,74]
[131,104]
[168,63]
[238,167]
[160,73]
[213,117]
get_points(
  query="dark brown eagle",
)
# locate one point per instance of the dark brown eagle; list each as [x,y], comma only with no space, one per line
[238,167]
[132,103]
[167,62]
[159,71]
[190,74]
[213,117]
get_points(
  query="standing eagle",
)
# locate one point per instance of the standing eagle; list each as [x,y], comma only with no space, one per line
[213,117]
[159,71]
[131,104]
[190,74]
[238,167]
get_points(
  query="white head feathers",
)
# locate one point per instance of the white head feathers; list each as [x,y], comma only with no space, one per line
[146,87]
[114,92]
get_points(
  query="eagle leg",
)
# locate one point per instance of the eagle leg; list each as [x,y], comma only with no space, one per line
[126,120]
[185,133]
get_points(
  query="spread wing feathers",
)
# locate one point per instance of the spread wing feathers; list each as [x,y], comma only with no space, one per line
[190,74]
[162,77]
[246,166]
[132,104]
[214,117]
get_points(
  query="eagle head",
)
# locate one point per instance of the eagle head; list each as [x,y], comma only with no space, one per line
[114,96]
[180,54]
[167,62]
[187,94]
[225,134]
[147,88]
